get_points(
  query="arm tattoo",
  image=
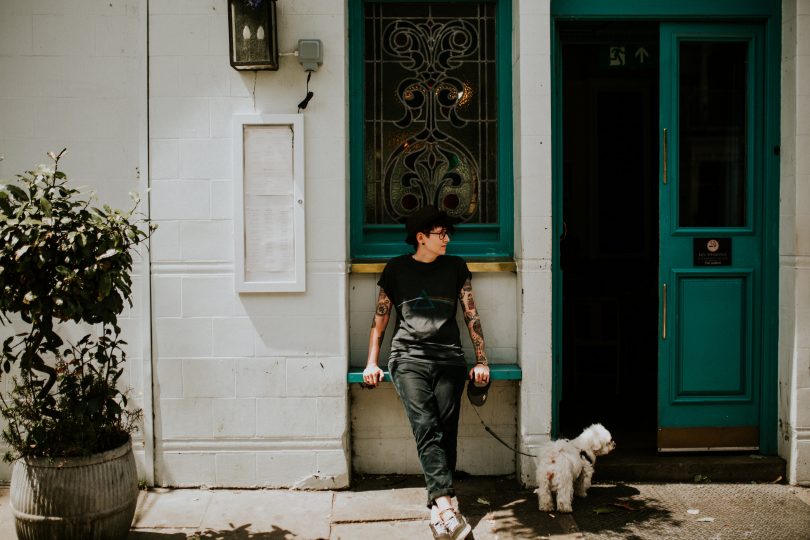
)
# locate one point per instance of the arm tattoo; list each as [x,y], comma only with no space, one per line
[477,337]
[466,297]
[383,304]
[473,321]
[383,308]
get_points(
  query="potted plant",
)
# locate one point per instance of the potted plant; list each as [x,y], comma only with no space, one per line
[64,260]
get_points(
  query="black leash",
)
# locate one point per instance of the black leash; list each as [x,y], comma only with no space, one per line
[487,428]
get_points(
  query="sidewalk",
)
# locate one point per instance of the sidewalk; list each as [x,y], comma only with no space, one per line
[392,508]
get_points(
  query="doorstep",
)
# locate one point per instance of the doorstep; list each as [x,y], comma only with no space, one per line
[636,465]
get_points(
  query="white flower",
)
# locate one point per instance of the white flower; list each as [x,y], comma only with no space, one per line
[43,170]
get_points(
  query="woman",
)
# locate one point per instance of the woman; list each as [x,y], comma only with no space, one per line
[427,363]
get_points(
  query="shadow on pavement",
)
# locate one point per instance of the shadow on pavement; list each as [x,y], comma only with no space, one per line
[615,509]
[237,533]
[376,482]
[499,507]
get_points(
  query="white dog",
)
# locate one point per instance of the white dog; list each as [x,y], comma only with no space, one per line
[565,467]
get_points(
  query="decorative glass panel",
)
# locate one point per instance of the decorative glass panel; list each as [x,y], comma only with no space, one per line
[431,111]
[713,125]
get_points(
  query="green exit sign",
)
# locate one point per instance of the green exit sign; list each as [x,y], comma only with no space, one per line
[637,55]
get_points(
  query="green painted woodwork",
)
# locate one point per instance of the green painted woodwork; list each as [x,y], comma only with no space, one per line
[711,358]
[768,15]
[497,372]
[715,349]
[663,9]
[477,241]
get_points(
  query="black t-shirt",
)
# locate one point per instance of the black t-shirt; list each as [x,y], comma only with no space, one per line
[425,296]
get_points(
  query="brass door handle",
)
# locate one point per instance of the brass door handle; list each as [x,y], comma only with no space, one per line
[665,157]
[664,326]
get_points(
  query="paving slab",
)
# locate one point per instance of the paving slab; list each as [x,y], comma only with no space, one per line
[298,514]
[171,508]
[6,517]
[693,511]
[803,493]
[382,498]
[389,530]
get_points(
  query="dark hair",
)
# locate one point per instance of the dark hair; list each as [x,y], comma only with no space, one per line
[443,221]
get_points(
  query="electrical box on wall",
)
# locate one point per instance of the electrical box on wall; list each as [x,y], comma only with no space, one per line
[310,53]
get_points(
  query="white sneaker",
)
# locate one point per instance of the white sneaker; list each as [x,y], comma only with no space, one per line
[457,526]
[439,530]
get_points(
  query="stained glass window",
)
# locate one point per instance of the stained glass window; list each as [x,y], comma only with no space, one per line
[431,113]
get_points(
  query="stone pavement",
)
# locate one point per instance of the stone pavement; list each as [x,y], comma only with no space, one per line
[392,507]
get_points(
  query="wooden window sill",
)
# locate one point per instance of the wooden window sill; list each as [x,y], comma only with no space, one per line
[376,267]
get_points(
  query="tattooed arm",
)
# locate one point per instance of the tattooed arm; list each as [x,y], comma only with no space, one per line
[373,375]
[480,372]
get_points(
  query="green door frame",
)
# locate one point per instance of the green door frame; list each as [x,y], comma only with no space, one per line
[767,12]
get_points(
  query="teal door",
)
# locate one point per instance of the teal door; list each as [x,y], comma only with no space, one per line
[711,236]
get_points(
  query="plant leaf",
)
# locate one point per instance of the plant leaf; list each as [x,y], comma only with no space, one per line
[604,510]
[107,254]
[15,191]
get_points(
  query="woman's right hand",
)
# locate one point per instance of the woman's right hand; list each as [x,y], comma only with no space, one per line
[373,375]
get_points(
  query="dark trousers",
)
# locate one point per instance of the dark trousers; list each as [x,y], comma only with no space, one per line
[431,394]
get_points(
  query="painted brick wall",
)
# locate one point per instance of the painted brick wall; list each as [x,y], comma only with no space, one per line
[495,297]
[794,284]
[250,389]
[531,95]
[382,442]
[73,76]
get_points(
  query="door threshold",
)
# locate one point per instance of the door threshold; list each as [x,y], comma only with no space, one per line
[637,465]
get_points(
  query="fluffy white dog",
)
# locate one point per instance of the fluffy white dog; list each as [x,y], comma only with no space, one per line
[565,467]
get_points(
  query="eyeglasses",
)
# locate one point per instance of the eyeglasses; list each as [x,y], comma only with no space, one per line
[442,234]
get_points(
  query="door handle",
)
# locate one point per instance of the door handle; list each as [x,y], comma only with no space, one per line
[664,325]
[665,157]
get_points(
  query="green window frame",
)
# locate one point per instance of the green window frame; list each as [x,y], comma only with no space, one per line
[473,241]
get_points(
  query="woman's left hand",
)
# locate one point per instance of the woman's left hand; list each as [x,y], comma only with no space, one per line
[480,374]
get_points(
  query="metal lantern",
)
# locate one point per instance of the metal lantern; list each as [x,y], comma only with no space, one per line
[253,35]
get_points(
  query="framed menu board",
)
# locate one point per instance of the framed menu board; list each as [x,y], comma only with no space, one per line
[268,180]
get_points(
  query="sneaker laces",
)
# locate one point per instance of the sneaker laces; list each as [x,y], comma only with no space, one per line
[439,529]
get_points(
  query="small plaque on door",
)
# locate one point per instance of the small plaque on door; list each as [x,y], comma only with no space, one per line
[711,251]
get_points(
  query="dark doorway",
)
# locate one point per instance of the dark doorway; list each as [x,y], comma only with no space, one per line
[609,250]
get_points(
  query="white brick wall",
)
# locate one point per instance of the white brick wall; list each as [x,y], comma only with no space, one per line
[533,200]
[74,76]
[252,387]
[794,285]
[382,442]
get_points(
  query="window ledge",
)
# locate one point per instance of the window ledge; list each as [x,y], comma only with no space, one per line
[376,267]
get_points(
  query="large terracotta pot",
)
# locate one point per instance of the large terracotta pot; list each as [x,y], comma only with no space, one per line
[90,498]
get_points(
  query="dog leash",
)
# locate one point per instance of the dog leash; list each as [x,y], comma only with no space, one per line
[488,430]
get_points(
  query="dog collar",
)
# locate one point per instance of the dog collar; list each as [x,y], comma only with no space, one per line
[583,454]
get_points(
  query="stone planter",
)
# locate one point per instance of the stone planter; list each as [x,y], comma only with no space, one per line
[90,498]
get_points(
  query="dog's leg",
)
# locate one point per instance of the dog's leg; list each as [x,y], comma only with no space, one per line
[565,494]
[583,482]
[544,500]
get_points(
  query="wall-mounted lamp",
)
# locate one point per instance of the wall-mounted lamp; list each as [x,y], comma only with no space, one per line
[253,34]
